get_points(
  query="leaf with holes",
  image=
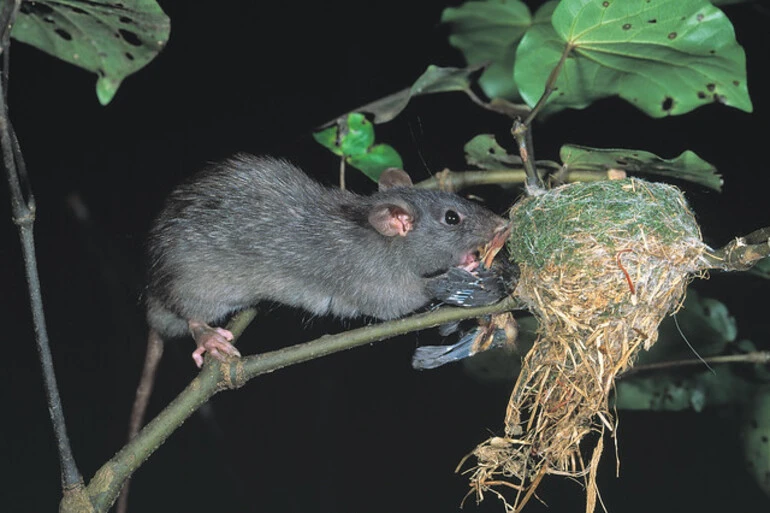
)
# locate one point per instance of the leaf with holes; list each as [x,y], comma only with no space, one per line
[488,31]
[687,166]
[485,152]
[705,322]
[664,56]
[755,431]
[351,135]
[435,79]
[110,38]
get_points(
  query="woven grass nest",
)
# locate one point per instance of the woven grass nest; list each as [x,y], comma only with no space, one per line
[601,265]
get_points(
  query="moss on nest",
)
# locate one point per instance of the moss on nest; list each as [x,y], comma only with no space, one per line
[552,227]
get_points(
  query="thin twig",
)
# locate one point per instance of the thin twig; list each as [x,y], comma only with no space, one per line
[522,130]
[23,210]
[550,85]
[342,173]
[523,135]
[757,357]
[500,105]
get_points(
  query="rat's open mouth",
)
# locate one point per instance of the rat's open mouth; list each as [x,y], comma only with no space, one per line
[486,253]
[470,261]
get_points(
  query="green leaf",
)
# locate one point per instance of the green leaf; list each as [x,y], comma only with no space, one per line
[708,326]
[687,166]
[488,31]
[762,268]
[352,137]
[112,38]
[356,135]
[755,431]
[376,160]
[664,56]
[705,322]
[676,392]
[484,152]
[328,139]
[434,80]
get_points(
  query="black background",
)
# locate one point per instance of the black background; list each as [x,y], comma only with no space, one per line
[358,431]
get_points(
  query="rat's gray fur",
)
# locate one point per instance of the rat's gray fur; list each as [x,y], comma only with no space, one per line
[257,228]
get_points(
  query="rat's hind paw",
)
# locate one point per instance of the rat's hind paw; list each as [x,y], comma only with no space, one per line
[217,341]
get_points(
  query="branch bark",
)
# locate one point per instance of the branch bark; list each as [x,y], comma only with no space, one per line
[23,210]
[216,376]
[740,254]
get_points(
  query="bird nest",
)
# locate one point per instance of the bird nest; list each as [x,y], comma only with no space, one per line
[601,265]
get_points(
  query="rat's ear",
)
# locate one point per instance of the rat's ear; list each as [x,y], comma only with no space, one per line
[394,177]
[390,219]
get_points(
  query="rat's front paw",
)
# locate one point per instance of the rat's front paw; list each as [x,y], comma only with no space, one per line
[215,341]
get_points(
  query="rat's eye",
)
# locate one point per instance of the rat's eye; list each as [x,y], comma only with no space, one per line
[451,217]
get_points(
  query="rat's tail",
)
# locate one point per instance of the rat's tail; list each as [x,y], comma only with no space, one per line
[142,399]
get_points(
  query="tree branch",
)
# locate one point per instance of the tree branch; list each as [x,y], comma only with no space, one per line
[742,253]
[457,180]
[23,211]
[217,376]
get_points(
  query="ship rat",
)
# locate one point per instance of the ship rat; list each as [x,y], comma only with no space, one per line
[254,229]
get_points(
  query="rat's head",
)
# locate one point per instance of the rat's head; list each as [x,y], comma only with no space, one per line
[432,230]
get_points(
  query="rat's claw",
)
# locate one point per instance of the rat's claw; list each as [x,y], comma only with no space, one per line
[225,333]
[214,340]
[197,356]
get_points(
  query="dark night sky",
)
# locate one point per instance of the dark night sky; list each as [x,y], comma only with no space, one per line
[353,432]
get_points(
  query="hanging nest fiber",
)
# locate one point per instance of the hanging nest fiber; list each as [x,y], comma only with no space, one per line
[601,265]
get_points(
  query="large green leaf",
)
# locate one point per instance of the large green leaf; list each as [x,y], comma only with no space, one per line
[488,31]
[679,391]
[755,431]
[707,326]
[687,166]
[110,38]
[664,56]
[703,322]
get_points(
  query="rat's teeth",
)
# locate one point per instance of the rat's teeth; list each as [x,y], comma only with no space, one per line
[470,261]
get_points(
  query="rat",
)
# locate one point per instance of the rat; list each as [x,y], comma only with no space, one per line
[256,228]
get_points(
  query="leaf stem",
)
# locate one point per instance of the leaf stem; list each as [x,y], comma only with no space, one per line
[550,85]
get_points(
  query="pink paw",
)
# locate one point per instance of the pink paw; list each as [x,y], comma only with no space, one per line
[215,341]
